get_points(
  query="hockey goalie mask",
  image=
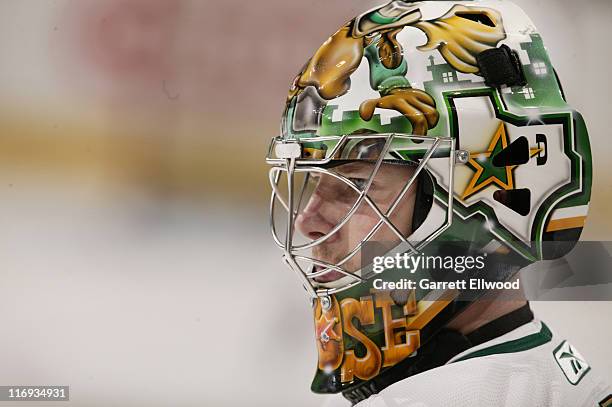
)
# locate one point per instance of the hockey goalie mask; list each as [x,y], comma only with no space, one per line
[418,123]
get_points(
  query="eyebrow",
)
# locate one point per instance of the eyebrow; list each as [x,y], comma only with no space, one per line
[355,168]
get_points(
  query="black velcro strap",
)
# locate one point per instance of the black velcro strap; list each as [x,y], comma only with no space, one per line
[501,66]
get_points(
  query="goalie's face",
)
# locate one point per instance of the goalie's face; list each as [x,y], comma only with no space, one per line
[332,209]
[332,199]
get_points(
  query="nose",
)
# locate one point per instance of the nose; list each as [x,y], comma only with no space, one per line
[311,222]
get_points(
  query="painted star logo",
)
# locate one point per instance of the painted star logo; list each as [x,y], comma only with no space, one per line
[324,330]
[488,174]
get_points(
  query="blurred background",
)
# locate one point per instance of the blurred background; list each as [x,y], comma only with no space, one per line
[136,262]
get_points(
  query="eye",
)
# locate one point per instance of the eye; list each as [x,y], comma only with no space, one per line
[359,182]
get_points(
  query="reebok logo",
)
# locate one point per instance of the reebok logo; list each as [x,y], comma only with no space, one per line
[571,362]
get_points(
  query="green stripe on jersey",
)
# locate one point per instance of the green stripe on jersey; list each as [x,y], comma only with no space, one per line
[517,345]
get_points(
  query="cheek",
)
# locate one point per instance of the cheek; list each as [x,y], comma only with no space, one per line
[334,211]
[402,215]
[360,224]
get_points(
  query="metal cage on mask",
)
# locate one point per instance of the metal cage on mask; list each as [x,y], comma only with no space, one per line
[318,155]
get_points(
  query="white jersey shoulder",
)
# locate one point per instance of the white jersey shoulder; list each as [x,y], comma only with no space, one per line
[526,367]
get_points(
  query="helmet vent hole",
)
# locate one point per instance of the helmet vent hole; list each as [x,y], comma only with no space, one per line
[516,153]
[519,200]
[481,18]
